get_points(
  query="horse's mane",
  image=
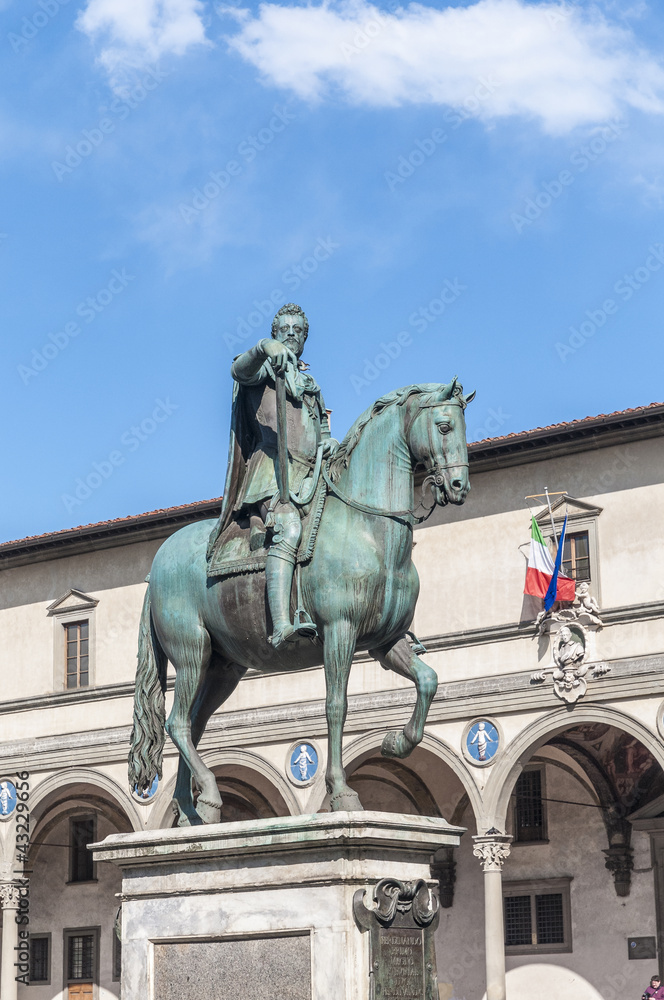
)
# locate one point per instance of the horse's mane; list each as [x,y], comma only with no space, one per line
[399,396]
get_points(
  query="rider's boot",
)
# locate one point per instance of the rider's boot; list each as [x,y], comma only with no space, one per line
[279,571]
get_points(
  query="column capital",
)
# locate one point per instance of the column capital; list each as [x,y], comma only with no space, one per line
[10,895]
[492,849]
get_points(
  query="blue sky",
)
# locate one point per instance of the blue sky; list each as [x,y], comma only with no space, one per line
[475,189]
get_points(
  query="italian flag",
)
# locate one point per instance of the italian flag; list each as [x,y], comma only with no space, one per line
[543,574]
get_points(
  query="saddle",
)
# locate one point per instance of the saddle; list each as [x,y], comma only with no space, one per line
[239,549]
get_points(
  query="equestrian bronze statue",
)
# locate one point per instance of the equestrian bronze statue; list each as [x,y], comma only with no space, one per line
[325,531]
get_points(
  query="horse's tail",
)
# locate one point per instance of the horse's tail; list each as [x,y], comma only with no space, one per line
[147,737]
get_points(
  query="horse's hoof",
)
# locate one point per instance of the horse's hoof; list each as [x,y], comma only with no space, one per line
[346,801]
[209,812]
[396,744]
[181,818]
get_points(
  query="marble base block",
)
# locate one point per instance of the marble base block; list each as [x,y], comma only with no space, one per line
[261,909]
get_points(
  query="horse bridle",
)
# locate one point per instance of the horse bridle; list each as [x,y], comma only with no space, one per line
[435,474]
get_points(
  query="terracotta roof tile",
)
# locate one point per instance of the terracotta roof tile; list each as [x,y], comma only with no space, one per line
[568,425]
[118,521]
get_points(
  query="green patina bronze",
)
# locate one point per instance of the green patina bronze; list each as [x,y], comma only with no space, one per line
[324,532]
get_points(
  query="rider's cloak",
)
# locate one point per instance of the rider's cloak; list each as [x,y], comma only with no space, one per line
[252,449]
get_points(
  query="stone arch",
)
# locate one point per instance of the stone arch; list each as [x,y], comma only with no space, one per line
[369,744]
[77,791]
[46,791]
[506,770]
[274,785]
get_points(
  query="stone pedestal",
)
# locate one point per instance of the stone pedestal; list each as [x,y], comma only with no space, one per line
[263,910]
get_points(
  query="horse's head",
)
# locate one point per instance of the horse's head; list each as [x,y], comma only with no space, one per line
[436,435]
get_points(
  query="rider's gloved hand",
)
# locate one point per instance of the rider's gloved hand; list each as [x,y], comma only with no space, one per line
[278,354]
[330,445]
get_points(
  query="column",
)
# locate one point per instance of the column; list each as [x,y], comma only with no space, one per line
[9,900]
[492,849]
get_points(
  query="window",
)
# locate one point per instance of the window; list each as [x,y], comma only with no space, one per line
[80,956]
[81,960]
[581,549]
[74,635]
[529,810]
[537,916]
[77,659]
[576,556]
[81,865]
[40,958]
[117,957]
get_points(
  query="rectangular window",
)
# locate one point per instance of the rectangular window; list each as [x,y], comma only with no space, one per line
[576,556]
[40,958]
[81,865]
[81,961]
[529,815]
[518,920]
[549,918]
[77,654]
[537,916]
[117,957]
[80,957]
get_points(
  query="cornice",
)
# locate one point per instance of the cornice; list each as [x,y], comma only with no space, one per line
[632,677]
[436,643]
[544,443]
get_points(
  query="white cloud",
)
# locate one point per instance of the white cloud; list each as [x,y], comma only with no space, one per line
[563,66]
[135,33]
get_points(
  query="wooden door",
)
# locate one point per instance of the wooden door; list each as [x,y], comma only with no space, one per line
[80,991]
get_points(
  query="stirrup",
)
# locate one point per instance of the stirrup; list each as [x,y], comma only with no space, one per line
[291,633]
[304,624]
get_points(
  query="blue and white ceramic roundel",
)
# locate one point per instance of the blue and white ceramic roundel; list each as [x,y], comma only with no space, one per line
[303,762]
[7,798]
[148,792]
[482,741]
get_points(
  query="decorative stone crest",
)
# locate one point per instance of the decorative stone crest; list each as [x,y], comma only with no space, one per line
[570,674]
[493,849]
[570,630]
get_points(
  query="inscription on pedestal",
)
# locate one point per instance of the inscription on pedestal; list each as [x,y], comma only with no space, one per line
[401,918]
[256,968]
[400,971]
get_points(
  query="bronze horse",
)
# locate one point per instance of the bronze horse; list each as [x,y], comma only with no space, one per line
[360,589]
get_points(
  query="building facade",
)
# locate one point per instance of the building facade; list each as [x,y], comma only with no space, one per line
[544,741]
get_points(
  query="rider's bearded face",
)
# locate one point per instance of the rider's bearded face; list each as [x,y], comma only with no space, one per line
[291,333]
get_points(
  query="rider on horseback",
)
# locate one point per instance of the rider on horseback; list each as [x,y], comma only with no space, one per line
[253,486]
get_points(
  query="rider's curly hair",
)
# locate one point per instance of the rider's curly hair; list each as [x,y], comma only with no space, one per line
[290,310]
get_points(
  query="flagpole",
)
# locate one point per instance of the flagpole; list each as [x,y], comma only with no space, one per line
[553,526]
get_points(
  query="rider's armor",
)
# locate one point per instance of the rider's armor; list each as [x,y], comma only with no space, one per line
[252,483]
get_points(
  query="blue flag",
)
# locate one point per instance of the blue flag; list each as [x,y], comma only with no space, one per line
[550,596]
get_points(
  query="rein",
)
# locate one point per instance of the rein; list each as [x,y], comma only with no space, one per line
[402,515]
[434,474]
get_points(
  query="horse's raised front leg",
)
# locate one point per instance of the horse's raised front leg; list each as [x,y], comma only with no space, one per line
[403,660]
[339,646]
[190,659]
[220,681]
